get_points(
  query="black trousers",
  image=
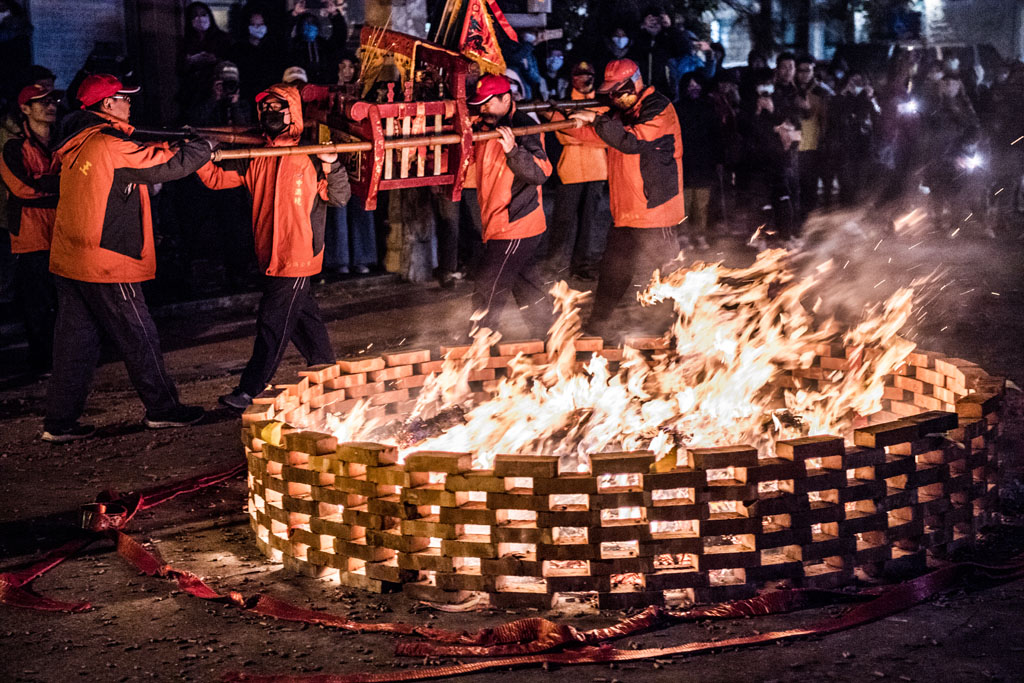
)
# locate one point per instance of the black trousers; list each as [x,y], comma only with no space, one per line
[87,311]
[506,268]
[576,236]
[630,251]
[36,298]
[287,312]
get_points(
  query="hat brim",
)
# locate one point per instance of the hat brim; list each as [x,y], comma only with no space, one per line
[482,100]
[609,86]
[129,91]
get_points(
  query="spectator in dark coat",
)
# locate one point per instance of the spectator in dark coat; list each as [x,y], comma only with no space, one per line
[702,155]
[15,47]
[258,54]
[203,47]
[657,44]
[851,128]
[313,51]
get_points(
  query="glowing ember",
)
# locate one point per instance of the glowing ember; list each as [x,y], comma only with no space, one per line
[738,333]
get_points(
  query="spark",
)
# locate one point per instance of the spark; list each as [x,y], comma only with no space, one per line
[955,232]
[968,217]
[846,264]
[967,292]
[879,282]
[915,245]
[879,244]
[1017,140]
[999,190]
[944,328]
[890,259]
[995,293]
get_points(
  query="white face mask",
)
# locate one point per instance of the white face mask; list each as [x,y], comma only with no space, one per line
[857,90]
[620,42]
[258,31]
[201,24]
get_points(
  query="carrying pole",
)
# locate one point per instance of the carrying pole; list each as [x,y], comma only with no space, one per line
[395,143]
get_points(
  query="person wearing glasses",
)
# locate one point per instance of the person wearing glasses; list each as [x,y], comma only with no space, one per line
[290,196]
[645,184]
[102,252]
[31,175]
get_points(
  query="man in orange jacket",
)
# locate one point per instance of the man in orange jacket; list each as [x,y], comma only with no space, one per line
[578,231]
[101,253]
[290,195]
[32,177]
[510,172]
[645,183]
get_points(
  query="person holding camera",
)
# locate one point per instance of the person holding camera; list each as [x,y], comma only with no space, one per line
[223,105]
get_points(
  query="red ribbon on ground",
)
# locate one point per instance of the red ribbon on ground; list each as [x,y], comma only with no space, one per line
[524,642]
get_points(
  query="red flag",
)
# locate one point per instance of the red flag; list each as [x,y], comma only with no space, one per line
[502,21]
[478,41]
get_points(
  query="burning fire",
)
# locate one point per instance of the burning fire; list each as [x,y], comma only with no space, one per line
[736,332]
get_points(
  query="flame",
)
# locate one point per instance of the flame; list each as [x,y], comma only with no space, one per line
[727,376]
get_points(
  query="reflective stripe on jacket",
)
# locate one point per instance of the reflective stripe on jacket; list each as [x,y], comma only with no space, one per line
[103,231]
[290,195]
[508,185]
[645,162]
[32,176]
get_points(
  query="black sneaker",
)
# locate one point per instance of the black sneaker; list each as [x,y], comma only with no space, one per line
[75,432]
[179,416]
[236,400]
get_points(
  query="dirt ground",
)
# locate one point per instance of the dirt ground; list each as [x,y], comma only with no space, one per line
[144,629]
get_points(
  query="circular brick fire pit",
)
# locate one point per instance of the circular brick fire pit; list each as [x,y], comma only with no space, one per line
[718,524]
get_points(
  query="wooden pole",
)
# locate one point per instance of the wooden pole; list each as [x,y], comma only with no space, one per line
[397,143]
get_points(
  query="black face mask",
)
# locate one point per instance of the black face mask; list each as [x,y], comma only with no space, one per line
[273,123]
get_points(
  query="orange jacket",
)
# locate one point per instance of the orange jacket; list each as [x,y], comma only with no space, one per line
[582,161]
[33,177]
[645,162]
[103,231]
[508,185]
[289,194]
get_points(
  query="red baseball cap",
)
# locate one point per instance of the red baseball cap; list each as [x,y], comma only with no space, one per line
[618,72]
[489,86]
[99,86]
[33,92]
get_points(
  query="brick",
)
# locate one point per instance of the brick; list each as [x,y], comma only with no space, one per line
[553,518]
[863,457]
[409,357]
[389,573]
[676,513]
[588,344]
[647,343]
[528,347]
[914,386]
[367,453]
[820,480]
[439,461]
[391,506]
[432,494]
[621,463]
[478,480]
[429,593]
[402,542]
[361,364]
[573,551]
[929,376]
[774,469]
[320,373]
[430,559]
[977,405]
[612,501]
[428,368]
[723,456]
[612,355]
[512,501]
[624,600]
[678,478]
[395,475]
[513,566]
[566,484]
[520,533]
[346,381]
[534,466]
[470,546]
[313,443]
[928,402]
[810,447]
[385,397]
[886,434]
[364,390]
[255,412]
[390,373]
[464,581]
[429,527]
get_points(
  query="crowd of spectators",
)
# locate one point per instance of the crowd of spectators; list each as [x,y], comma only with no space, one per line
[764,147]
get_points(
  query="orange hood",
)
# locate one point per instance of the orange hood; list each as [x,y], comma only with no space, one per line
[293,132]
